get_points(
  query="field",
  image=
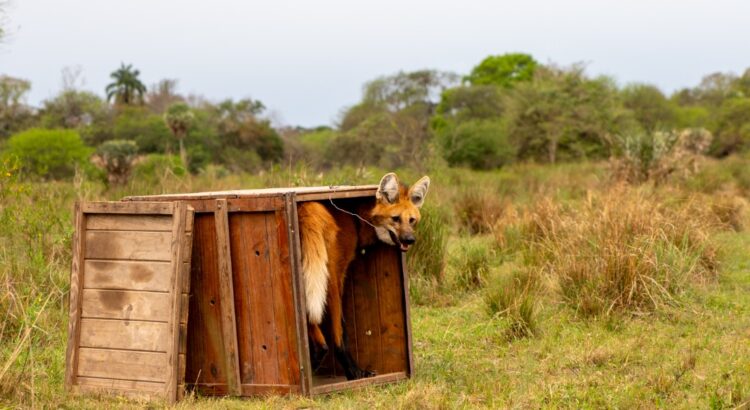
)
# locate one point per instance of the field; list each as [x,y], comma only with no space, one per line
[549,286]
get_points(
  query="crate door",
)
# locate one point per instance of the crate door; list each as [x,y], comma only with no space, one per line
[128,298]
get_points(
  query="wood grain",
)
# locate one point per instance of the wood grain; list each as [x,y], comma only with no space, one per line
[226,294]
[131,245]
[125,304]
[386,261]
[123,222]
[178,248]
[124,334]
[76,286]
[159,208]
[117,385]
[129,365]
[130,275]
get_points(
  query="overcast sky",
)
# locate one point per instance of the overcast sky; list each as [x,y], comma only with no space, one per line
[306,60]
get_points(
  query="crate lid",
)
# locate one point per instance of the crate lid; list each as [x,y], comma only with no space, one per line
[302,193]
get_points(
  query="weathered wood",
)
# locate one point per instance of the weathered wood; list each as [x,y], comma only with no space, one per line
[178,247]
[261,204]
[76,286]
[131,245]
[125,222]
[126,305]
[366,313]
[159,208]
[302,193]
[226,293]
[300,319]
[407,317]
[128,365]
[386,261]
[266,389]
[205,356]
[355,384]
[127,275]
[124,334]
[117,385]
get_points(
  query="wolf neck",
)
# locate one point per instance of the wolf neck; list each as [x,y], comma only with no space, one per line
[365,233]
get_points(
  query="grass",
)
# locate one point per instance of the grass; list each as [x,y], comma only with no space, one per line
[495,327]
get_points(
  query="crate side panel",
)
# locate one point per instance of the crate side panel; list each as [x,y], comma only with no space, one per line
[362,274]
[386,261]
[205,357]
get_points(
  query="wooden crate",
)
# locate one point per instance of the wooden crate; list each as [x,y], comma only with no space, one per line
[127,330]
[247,333]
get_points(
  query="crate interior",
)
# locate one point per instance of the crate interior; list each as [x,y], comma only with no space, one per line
[374,314]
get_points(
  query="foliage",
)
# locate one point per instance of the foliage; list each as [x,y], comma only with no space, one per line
[48,153]
[471,265]
[117,157]
[148,130]
[731,127]
[650,107]
[477,144]
[426,258]
[179,118]
[80,110]
[126,88]
[155,168]
[503,70]
[477,210]
[14,114]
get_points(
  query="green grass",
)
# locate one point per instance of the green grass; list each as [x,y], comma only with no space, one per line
[692,355]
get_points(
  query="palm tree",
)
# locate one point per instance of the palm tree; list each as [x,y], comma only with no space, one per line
[126,88]
[179,118]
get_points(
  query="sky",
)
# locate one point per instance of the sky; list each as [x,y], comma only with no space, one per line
[307,60]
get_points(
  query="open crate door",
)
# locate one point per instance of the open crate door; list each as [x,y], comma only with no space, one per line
[129,290]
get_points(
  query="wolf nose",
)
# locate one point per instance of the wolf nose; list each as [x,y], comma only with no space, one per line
[408,240]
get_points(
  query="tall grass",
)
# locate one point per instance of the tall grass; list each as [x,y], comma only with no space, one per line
[426,259]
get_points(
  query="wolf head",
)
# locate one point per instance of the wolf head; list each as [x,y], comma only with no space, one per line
[396,212]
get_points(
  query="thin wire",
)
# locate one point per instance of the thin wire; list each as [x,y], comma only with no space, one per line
[330,199]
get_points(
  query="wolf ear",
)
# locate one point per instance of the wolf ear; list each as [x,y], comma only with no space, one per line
[418,191]
[388,189]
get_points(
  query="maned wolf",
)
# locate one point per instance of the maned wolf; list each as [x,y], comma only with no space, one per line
[330,239]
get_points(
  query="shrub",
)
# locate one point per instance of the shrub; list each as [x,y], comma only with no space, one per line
[49,153]
[471,265]
[479,144]
[513,296]
[625,250]
[117,156]
[477,210]
[156,167]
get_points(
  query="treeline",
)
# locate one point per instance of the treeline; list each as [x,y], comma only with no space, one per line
[509,108]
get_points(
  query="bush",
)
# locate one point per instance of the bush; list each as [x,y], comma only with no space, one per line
[426,259]
[479,144]
[156,167]
[49,153]
[624,250]
[513,296]
[478,210]
[117,157]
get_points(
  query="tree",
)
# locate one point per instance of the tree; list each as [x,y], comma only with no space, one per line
[480,144]
[162,95]
[49,153]
[126,88]
[117,157]
[82,110]
[14,114]
[731,127]
[649,106]
[179,118]
[503,70]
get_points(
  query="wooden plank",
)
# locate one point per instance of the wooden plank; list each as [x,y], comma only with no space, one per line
[359,383]
[302,193]
[205,356]
[132,245]
[187,246]
[124,222]
[366,313]
[386,263]
[281,277]
[126,305]
[295,257]
[407,316]
[158,208]
[250,390]
[173,342]
[261,204]
[118,385]
[127,275]
[118,364]
[254,297]
[124,334]
[74,312]
[226,293]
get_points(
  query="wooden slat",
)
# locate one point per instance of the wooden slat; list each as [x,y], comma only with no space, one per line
[124,304]
[132,275]
[366,313]
[205,357]
[123,222]
[303,352]
[226,293]
[124,334]
[281,276]
[386,260]
[178,245]
[187,246]
[132,245]
[158,208]
[359,383]
[76,286]
[118,364]
[407,316]
[267,389]
[117,385]
[254,297]
[261,204]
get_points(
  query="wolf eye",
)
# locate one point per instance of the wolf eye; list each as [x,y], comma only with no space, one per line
[396,218]
[412,220]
